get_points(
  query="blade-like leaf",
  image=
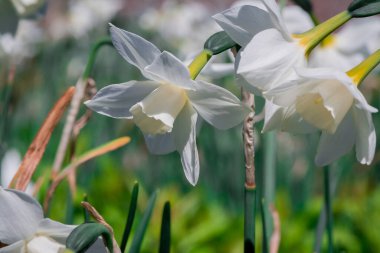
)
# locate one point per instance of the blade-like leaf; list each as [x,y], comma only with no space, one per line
[364,8]
[139,236]
[165,230]
[131,217]
[86,215]
[267,225]
[83,236]
[219,42]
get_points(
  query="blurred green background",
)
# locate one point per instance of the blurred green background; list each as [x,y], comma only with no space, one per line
[205,218]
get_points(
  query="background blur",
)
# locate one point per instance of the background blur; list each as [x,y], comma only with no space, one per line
[49,52]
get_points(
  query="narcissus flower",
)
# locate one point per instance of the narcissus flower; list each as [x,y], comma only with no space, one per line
[330,100]
[166,107]
[23,227]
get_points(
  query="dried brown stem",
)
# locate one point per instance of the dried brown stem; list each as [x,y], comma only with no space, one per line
[248,141]
[37,148]
[69,124]
[96,215]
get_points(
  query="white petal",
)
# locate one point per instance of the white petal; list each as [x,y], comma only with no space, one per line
[115,100]
[17,247]
[160,144]
[156,113]
[243,22]
[296,19]
[217,106]
[329,56]
[19,215]
[168,69]
[268,60]
[134,49]
[43,244]
[275,14]
[333,146]
[185,132]
[366,136]
[218,70]
[9,166]
[56,230]
[285,119]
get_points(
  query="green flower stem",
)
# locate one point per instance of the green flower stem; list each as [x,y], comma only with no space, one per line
[326,177]
[199,62]
[270,167]
[314,18]
[359,73]
[249,219]
[92,57]
[311,38]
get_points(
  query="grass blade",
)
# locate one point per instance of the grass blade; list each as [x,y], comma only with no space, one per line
[131,217]
[165,230]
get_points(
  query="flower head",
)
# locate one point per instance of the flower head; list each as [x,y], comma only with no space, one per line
[330,100]
[166,107]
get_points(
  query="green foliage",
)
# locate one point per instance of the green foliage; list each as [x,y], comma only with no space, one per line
[131,217]
[83,236]
[139,236]
[165,230]
[364,8]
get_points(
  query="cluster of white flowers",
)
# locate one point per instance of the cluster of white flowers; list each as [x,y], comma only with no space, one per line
[305,91]
[305,94]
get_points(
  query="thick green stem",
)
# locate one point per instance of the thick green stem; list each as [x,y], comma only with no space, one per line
[359,72]
[92,57]
[199,62]
[329,216]
[249,219]
[270,167]
[311,38]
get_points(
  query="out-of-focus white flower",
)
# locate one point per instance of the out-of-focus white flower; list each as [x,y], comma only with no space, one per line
[329,100]
[83,16]
[24,43]
[166,108]
[23,227]
[27,7]
[177,22]
[186,26]
[9,166]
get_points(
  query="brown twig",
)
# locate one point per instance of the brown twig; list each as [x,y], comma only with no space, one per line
[69,124]
[96,215]
[249,149]
[38,146]
[115,144]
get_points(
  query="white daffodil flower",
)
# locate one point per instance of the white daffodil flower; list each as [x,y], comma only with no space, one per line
[26,7]
[166,107]
[23,227]
[329,100]
[268,56]
[269,52]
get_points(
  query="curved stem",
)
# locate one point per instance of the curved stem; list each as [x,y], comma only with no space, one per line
[92,57]
[199,62]
[359,72]
[326,177]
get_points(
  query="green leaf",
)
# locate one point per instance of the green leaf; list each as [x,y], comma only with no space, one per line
[139,236]
[219,42]
[165,230]
[364,8]
[131,217]
[305,5]
[86,215]
[83,236]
